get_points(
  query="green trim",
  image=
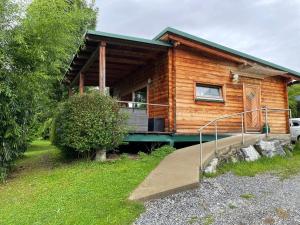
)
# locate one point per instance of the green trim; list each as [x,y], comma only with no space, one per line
[209,100]
[170,138]
[225,49]
[129,38]
[147,138]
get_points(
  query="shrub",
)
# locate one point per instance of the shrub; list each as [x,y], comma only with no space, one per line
[89,123]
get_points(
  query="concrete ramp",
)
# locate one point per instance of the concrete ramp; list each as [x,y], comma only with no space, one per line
[179,171]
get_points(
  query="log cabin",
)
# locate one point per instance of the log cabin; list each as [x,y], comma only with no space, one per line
[176,83]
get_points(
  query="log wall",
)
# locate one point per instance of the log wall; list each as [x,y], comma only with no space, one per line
[192,67]
[173,81]
[158,93]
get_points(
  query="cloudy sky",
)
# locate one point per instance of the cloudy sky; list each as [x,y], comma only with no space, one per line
[269,29]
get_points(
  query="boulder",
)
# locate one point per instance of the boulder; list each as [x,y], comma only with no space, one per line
[212,167]
[270,148]
[250,154]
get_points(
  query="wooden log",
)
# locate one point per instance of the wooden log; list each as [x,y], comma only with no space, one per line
[81,83]
[102,69]
[87,65]
[70,91]
[208,50]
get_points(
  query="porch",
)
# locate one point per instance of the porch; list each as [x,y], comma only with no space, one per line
[133,70]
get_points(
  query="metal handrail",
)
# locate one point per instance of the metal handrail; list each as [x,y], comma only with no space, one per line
[242,114]
[143,103]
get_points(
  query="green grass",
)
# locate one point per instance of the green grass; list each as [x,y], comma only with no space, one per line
[44,189]
[193,220]
[247,196]
[281,166]
[232,206]
[208,220]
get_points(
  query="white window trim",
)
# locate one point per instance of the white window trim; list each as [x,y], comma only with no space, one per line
[207,98]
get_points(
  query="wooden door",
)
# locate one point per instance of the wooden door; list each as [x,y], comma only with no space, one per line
[251,102]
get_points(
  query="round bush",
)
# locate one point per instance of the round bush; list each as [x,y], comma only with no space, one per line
[88,123]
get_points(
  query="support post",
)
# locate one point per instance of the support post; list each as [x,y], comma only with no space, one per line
[266,121]
[216,141]
[243,137]
[102,69]
[81,84]
[70,91]
[201,150]
[289,126]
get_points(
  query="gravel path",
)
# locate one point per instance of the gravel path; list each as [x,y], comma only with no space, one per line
[229,199]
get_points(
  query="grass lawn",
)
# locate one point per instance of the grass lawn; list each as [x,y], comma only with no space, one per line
[46,190]
[282,166]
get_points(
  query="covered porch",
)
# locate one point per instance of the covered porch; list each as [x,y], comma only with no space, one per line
[133,70]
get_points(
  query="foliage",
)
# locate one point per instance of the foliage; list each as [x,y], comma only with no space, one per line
[36,43]
[294,91]
[282,166]
[14,99]
[44,130]
[89,122]
[44,44]
[46,190]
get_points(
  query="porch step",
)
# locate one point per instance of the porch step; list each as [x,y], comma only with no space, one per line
[179,171]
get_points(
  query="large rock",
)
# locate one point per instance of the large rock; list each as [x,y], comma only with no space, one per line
[250,154]
[212,167]
[270,148]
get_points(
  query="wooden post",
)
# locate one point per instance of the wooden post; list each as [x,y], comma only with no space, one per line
[81,83]
[70,92]
[102,72]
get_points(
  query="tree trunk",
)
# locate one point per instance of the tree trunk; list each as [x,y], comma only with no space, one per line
[100,155]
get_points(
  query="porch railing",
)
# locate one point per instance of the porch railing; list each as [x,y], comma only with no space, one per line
[143,103]
[214,122]
[141,112]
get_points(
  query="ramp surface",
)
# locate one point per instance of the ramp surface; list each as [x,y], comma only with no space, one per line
[180,170]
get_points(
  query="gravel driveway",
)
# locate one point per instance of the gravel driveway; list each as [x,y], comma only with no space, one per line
[229,199]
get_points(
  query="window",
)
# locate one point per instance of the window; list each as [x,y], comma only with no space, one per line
[140,96]
[209,92]
[296,123]
[135,99]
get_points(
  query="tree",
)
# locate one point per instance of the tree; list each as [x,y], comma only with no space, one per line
[50,33]
[13,117]
[36,46]
[293,91]
[89,124]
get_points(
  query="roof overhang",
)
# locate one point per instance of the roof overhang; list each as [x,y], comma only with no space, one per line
[124,54]
[257,71]
[169,31]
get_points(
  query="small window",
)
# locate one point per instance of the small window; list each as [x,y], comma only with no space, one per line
[296,124]
[140,96]
[209,92]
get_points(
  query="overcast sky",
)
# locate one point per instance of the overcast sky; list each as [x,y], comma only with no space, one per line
[268,29]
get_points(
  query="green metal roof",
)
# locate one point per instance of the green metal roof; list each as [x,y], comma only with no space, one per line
[129,38]
[225,49]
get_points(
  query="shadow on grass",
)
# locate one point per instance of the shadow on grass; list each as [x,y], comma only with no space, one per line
[41,155]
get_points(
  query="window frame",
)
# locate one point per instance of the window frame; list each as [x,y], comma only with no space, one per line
[137,105]
[295,121]
[222,91]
